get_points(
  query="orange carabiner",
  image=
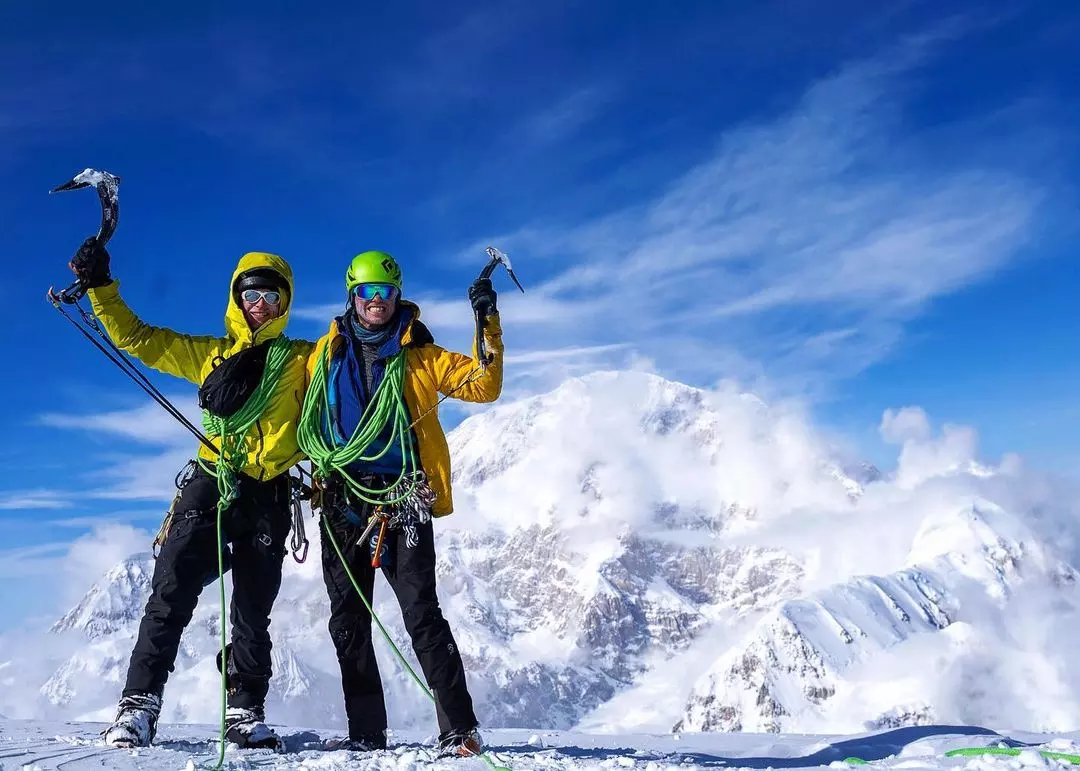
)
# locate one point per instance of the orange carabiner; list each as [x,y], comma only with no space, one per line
[375,561]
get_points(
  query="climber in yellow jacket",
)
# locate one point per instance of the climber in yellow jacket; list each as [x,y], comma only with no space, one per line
[229,370]
[371,429]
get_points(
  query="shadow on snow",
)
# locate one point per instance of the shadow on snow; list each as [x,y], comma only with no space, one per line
[873,747]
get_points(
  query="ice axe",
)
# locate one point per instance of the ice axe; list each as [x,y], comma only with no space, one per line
[497,258]
[107,186]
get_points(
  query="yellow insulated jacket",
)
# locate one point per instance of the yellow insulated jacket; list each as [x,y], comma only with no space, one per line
[270,446]
[431,370]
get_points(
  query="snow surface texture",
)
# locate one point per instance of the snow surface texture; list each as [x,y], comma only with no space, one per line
[40,746]
[633,555]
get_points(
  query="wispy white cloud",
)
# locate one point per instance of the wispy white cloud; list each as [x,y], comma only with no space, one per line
[798,248]
[534,357]
[112,519]
[34,499]
[319,313]
[146,475]
[32,561]
[148,423]
[923,455]
[99,550]
[564,117]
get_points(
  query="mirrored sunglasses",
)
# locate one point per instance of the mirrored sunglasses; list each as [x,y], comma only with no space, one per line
[368,292]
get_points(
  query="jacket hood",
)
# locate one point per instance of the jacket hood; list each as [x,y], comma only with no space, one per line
[235,323]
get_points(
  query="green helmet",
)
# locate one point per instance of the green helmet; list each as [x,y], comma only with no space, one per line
[372,268]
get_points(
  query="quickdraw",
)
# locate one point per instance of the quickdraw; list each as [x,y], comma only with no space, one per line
[298,542]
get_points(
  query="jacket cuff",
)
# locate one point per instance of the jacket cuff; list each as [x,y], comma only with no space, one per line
[104,293]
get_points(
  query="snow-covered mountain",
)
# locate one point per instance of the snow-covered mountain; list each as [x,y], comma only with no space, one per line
[112,603]
[629,553]
[799,655]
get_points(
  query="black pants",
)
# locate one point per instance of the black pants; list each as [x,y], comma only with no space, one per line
[256,525]
[410,571]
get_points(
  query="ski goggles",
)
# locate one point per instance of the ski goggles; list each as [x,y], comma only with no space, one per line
[252,296]
[368,292]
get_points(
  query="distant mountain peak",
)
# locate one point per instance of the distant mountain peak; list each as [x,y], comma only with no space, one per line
[113,602]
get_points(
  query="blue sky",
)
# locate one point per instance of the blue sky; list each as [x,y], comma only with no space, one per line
[864,208]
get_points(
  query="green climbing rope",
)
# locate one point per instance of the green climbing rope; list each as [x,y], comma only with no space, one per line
[975,751]
[970,751]
[386,409]
[224,645]
[232,432]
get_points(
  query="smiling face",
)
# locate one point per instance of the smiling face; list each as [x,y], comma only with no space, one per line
[260,306]
[375,304]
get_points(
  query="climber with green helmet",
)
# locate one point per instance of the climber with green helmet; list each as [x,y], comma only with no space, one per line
[380,458]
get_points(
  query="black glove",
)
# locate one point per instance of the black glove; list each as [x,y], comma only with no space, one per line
[483,297]
[91,264]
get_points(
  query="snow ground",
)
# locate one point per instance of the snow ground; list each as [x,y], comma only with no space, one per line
[71,746]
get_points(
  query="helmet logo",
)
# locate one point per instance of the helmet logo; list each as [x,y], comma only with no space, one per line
[392,269]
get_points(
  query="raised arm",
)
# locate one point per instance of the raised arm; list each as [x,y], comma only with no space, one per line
[463,378]
[163,349]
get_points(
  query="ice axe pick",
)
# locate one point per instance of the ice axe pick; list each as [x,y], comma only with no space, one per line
[107,186]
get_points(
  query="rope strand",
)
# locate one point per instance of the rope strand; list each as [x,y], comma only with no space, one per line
[232,431]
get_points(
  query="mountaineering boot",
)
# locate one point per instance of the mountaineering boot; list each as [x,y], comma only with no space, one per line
[362,743]
[458,743]
[246,729]
[136,721]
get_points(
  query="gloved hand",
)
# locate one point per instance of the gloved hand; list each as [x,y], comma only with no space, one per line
[483,297]
[91,264]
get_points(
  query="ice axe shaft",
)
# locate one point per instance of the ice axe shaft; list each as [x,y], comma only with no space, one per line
[497,258]
[107,186]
